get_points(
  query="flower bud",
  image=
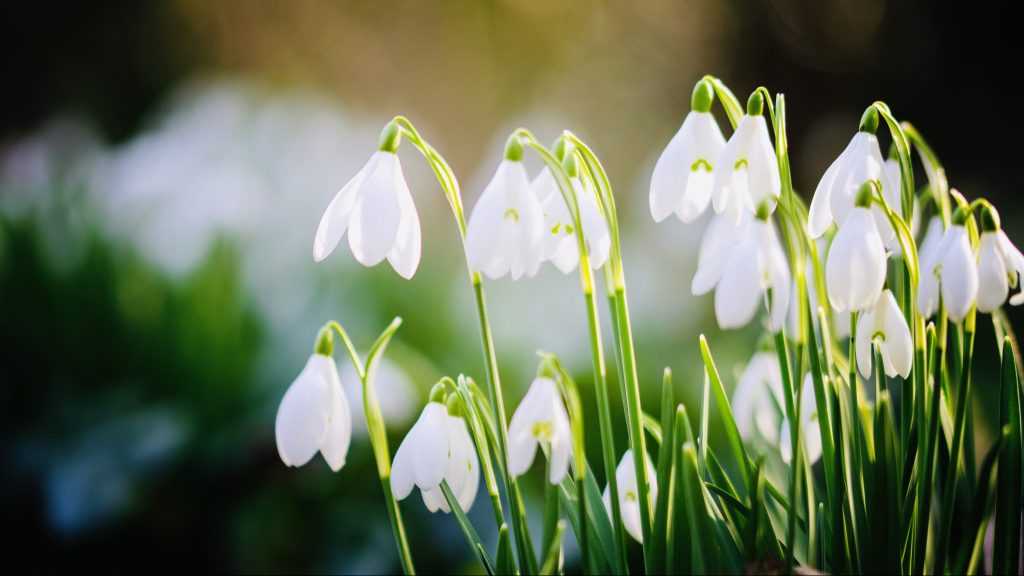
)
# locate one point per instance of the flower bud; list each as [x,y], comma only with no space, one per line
[869,121]
[514,149]
[390,137]
[755,104]
[703,97]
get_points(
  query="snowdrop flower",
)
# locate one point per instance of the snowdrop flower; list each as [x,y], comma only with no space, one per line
[685,172]
[540,418]
[860,162]
[377,210]
[742,270]
[1000,264]
[952,271]
[314,413]
[463,472]
[629,495]
[928,291]
[559,243]
[422,458]
[855,268]
[748,173]
[505,229]
[810,429]
[757,401]
[884,323]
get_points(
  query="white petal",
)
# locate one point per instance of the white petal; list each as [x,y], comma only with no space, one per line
[865,352]
[544,187]
[339,423]
[856,265]
[377,213]
[959,273]
[993,280]
[463,472]
[738,294]
[487,249]
[431,445]
[715,248]
[434,500]
[522,445]
[671,171]
[820,216]
[774,260]
[753,407]
[899,345]
[764,183]
[335,220]
[629,503]
[302,416]
[595,228]
[405,254]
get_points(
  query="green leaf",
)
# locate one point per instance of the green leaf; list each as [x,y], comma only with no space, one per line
[1006,552]
[602,550]
[553,557]
[664,471]
[467,529]
[731,430]
[503,559]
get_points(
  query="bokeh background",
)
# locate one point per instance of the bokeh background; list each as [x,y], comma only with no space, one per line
[163,166]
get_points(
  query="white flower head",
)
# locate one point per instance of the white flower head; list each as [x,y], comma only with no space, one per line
[1000,265]
[685,172]
[314,416]
[375,207]
[463,472]
[860,162]
[928,287]
[742,264]
[884,323]
[541,418]
[559,244]
[629,494]
[505,228]
[810,428]
[747,172]
[951,271]
[856,264]
[757,401]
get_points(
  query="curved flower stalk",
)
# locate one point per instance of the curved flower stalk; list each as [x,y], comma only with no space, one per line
[951,272]
[505,229]
[885,323]
[375,207]
[742,270]
[748,173]
[1000,264]
[685,173]
[463,472]
[629,495]
[540,421]
[757,401]
[810,428]
[314,414]
[856,264]
[559,243]
[860,162]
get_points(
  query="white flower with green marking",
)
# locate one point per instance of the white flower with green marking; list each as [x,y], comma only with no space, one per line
[463,472]
[884,323]
[505,231]
[757,401]
[422,458]
[540,420]
[952,272]
[856,264]
[1000,265]
[629,494]
[559,245]
[314,416]
[747,171]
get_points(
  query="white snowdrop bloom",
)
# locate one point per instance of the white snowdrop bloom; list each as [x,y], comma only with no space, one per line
[952,271]
[375,207]
[685,172]
[855,268]
[884,323]
[314,416]
[505,229]
[463,472]
[423,457]
[629,495]
[747,173]
[757,401]
[540,418]
[559,243]
[810,429]
[741,270]
[1000,264]
[927,290]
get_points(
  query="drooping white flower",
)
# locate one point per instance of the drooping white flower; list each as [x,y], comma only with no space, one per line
[884,323]
[810,428]
[423,457]
[504,234]
[559,243]
[685,172]
[834,197]
[1000,265]
[952,271]
[314,416]
[747,172]
[629,494]
[741,265]
[757,401]
[541,418]
[375,207]
[855,268]
[927,290]
[463,472]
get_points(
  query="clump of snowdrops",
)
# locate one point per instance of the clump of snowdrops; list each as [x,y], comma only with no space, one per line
[870,299]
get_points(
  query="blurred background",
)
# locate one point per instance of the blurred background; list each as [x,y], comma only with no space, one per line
[163,167]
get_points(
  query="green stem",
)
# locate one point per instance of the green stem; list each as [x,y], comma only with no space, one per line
[793,416]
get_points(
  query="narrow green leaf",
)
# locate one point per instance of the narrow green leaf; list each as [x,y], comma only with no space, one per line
[664,471]
[553,557]
[503,560]
[728,420]
[1006,553]
[467,528]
